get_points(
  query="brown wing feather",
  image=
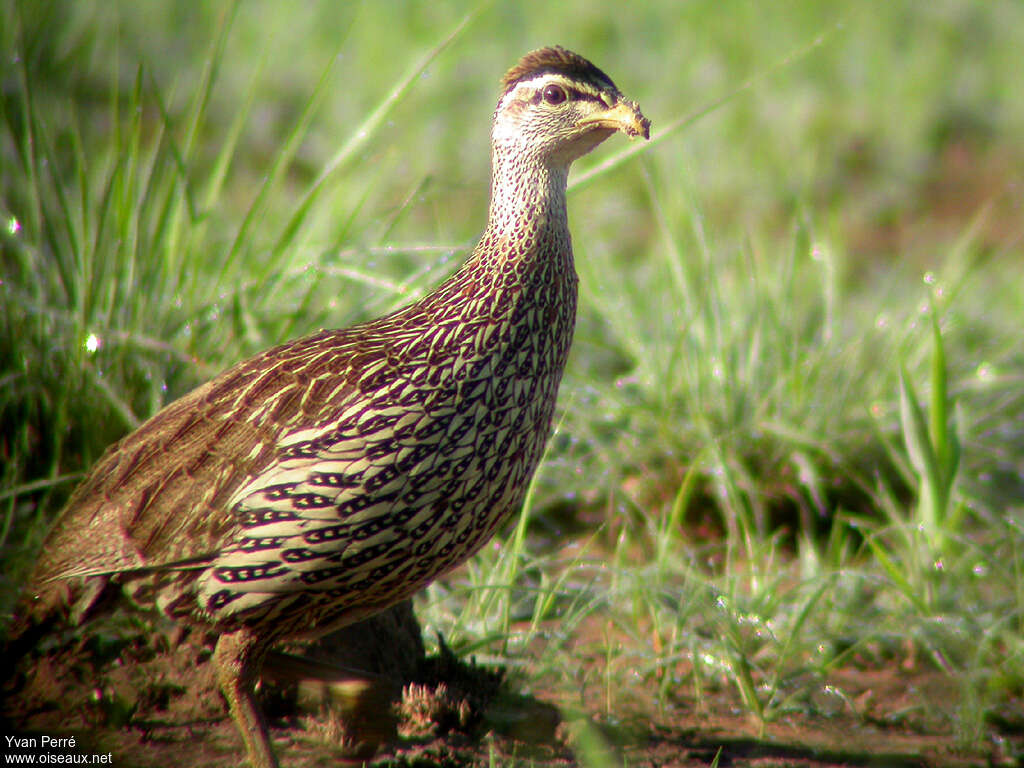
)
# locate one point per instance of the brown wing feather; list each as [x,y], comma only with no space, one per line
[162,490]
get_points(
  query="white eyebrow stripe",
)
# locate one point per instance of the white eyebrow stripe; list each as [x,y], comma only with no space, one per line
[538,82]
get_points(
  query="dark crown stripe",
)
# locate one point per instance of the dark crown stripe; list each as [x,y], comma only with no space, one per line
[559,60]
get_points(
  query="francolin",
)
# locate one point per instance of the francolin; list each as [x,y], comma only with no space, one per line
[328,478]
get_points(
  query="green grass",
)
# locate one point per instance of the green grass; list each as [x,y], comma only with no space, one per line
[790,441]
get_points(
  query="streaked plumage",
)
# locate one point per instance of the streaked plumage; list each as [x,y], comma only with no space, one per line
[328,478]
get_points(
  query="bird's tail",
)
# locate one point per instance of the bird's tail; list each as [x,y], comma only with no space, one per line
[44,606]
[39,609]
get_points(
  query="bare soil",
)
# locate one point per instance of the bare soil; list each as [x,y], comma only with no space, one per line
[148,696]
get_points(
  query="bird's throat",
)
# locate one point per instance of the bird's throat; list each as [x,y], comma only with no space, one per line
[527,199]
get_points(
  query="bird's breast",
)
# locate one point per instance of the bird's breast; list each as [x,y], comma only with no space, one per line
[413,476]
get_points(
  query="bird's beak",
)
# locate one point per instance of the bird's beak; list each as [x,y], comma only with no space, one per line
[625,116]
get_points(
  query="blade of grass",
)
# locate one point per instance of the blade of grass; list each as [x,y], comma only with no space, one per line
[620,157]
[368,128]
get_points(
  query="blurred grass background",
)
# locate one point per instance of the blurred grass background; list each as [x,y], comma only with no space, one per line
[771,294]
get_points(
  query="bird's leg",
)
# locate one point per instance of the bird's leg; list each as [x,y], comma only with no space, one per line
[238,657]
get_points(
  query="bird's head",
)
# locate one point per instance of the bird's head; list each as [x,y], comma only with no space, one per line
[556,106]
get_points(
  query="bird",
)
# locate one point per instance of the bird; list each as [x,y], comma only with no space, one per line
[326,479]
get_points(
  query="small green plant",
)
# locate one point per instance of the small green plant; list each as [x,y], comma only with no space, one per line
[933,446]
[911,548]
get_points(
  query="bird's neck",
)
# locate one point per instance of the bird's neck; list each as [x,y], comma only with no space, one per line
[527,221]
[525,192]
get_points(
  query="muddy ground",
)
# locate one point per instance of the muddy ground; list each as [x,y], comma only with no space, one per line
[147,695]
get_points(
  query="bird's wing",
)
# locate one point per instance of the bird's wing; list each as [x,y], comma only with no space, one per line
[160,496]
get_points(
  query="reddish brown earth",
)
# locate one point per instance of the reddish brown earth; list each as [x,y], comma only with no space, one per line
[151,700]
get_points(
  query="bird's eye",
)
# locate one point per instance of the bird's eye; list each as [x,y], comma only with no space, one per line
[555,94]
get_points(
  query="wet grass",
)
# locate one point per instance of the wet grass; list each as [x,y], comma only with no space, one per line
[790,440]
